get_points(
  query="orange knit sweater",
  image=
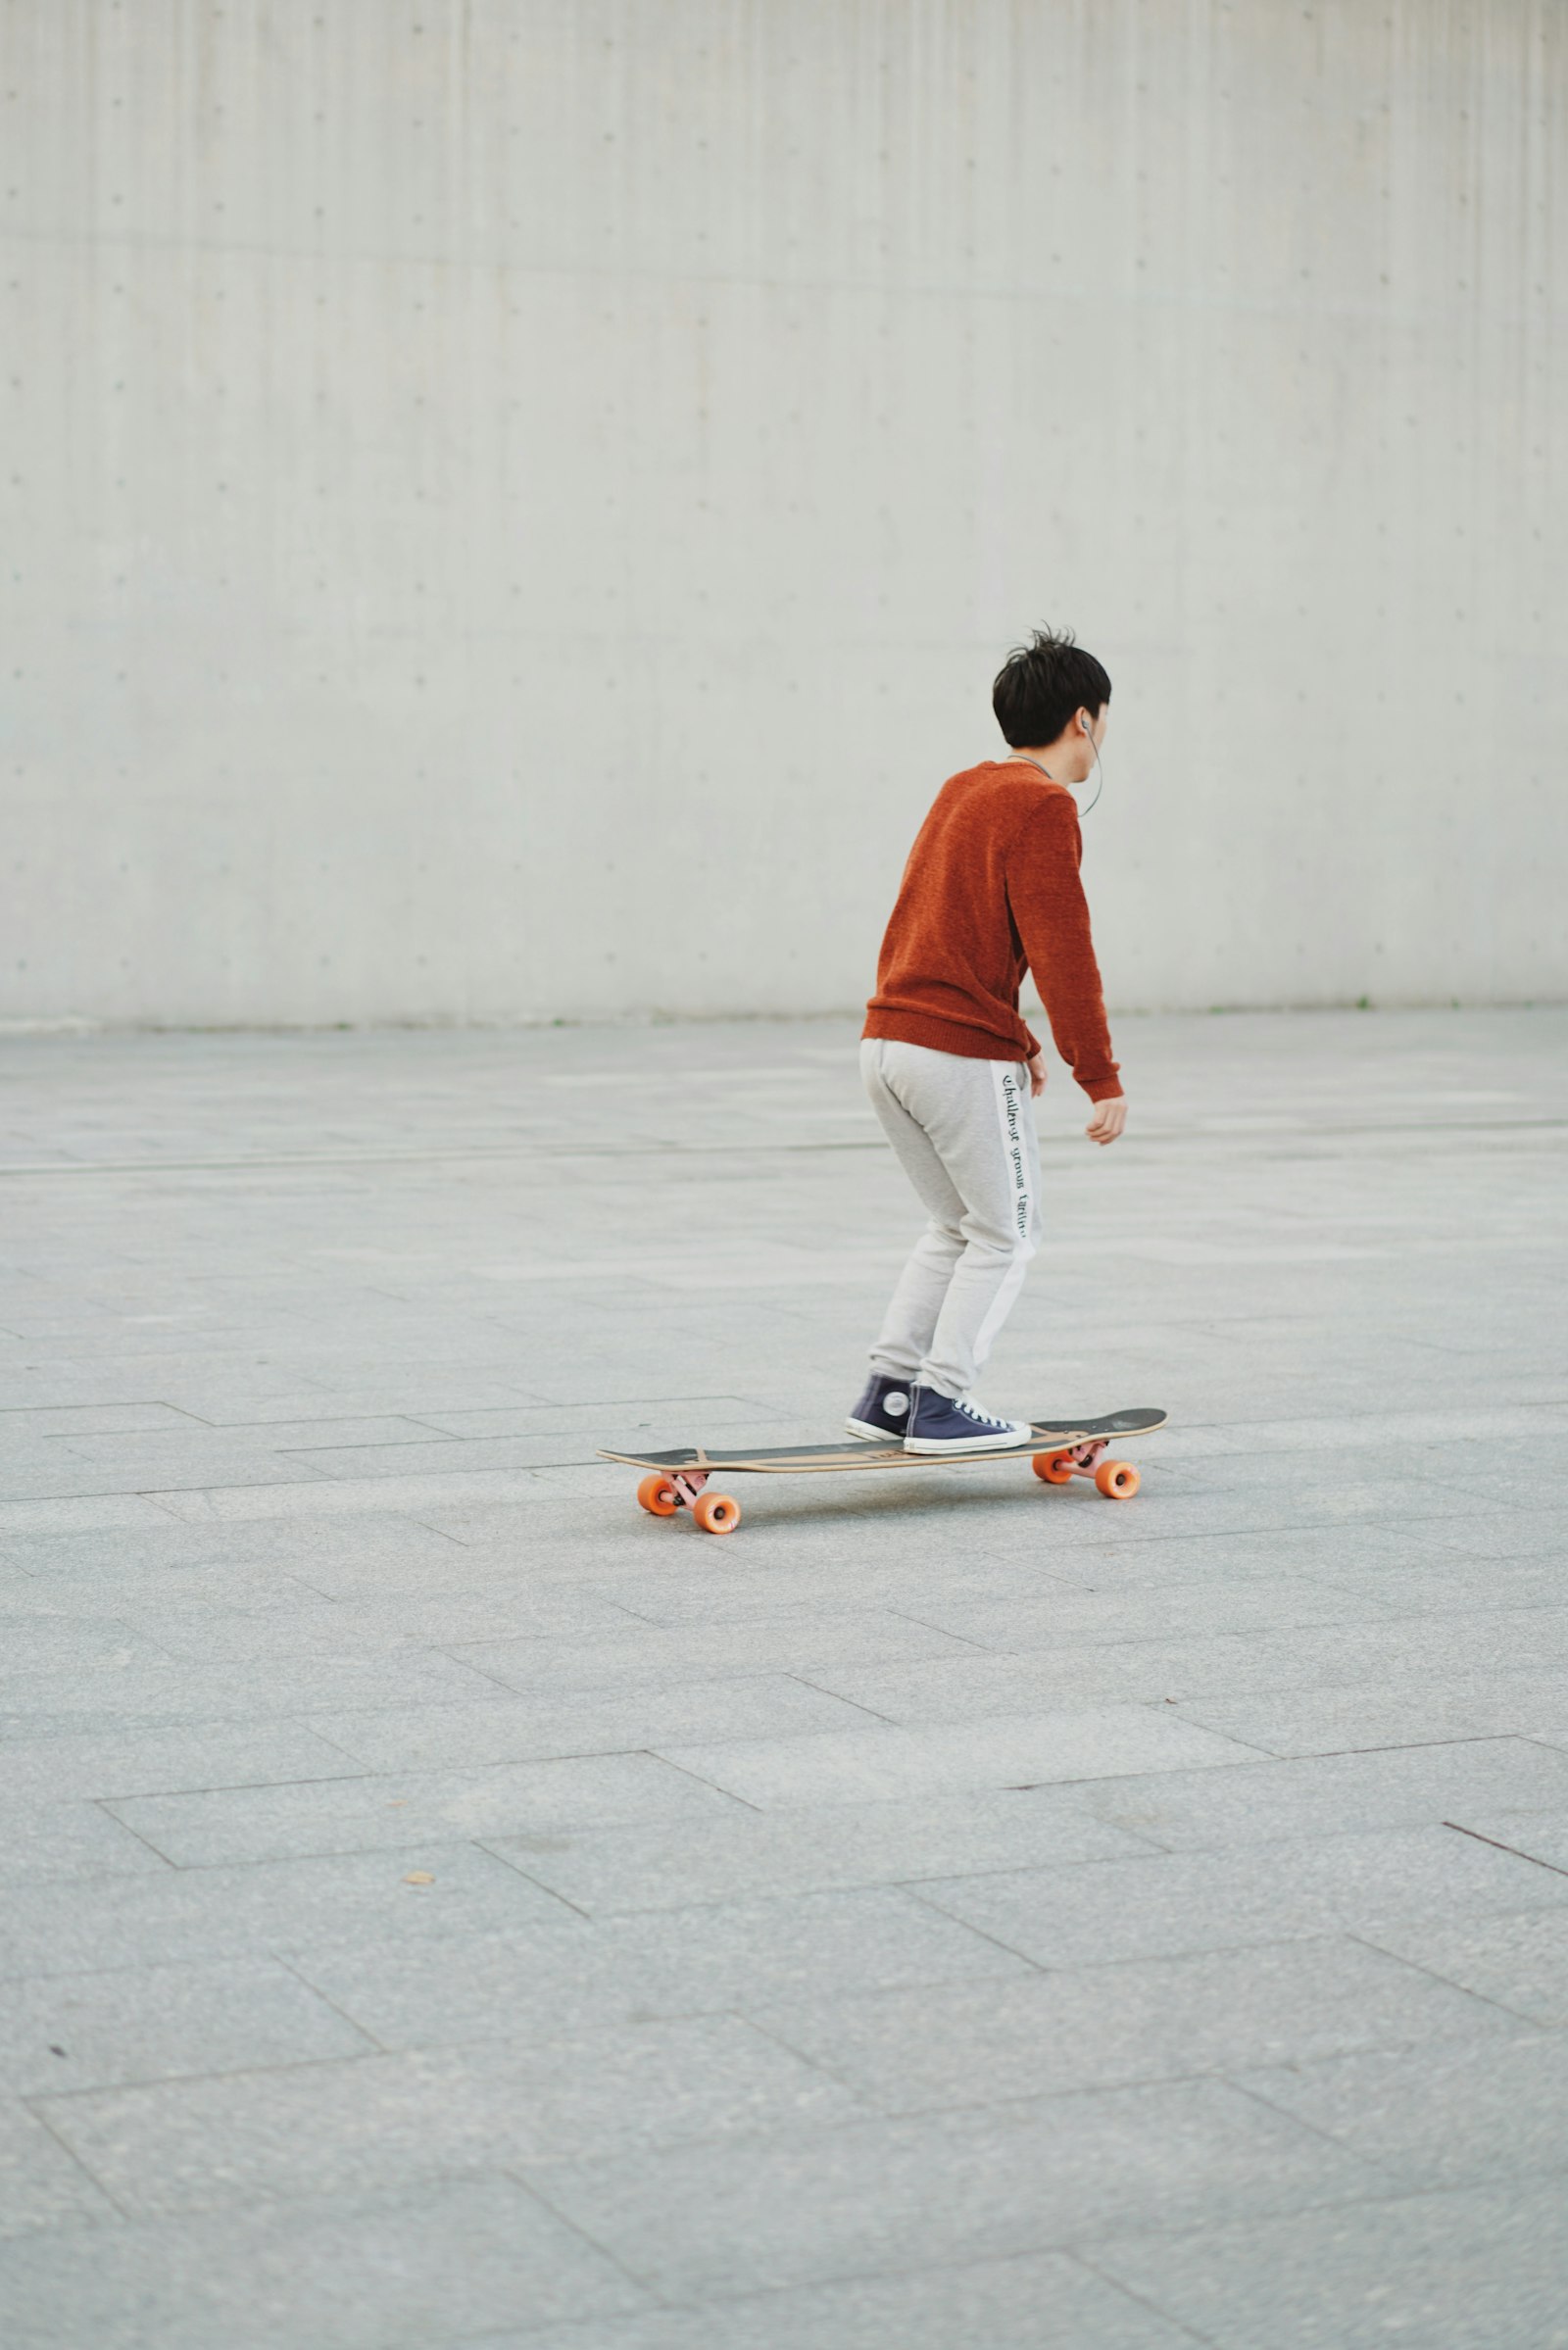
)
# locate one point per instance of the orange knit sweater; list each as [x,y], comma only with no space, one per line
[991,888]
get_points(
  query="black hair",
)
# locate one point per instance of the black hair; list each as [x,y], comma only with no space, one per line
[1040,685]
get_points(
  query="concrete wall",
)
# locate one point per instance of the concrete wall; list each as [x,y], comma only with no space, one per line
[509,508]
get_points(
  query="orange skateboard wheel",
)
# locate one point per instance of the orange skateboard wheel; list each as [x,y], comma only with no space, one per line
[716,1513]
[1117,1479]
[1055,1467]
[658,1495]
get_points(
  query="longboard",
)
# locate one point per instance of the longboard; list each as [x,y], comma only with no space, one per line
[1060,1449]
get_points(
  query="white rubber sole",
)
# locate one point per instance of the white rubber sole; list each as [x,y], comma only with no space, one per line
[957,1445]
[878,1436]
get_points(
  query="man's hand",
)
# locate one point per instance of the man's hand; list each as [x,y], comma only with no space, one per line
[1037,1075]
[1109,1119]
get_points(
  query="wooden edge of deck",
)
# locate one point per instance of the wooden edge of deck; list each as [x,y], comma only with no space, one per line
[873,1456]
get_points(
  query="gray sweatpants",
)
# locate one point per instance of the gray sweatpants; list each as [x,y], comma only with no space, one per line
[964,1131]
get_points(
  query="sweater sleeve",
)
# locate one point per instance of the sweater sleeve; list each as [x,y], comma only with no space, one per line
[1047,900]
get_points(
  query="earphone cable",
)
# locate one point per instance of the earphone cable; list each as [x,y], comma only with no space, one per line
[1100,776]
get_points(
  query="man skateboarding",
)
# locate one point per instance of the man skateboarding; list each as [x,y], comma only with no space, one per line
[990,889]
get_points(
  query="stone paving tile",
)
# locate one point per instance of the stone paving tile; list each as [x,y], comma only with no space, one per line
[1338,1556]
[1485,2270]
[188,1914]
[574,1443]
[551,1981]
[521,1728]
[69,1839]
[288,1495]
[557,1578]
[444,2260]
[1538,1484]
[1355,1435]
[1258,1801]
[960,2045]
[1284,1504]
[79,1514]
[422,1399]
[184,1593]
[526,1526]
[138,2024]
[1043,2301]
[379,2121]
[160,1762]
[32,1642]
[1338,1721]
[859,1765]
[637,1415]
[435,1456]
[1540,1835]
[656,1654]
[154,1547]
[1025,1617]
[887,1538]
[41,2186]
[1447,1581]
[170,1692]
[1378,1454]
[1187,1672]
[1443,2116]
[1035,2174]
[665,1963]
[1271,1892]
[189,1441]
[358,1627]
[1519,1958]
[885,1576]
[1553,1732]
[1503,1534]
[547,1548]
[92,1385]
[668,1865]
[96,1419]
[169,1473]
[22,1595]
[359,1815]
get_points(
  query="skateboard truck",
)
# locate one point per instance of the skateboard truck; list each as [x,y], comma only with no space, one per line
[667,1490]
[1117,1479]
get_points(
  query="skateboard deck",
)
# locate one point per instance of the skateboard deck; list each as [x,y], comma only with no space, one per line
[1061,1449]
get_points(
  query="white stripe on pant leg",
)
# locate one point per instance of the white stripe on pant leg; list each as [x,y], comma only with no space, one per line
[1012,1102]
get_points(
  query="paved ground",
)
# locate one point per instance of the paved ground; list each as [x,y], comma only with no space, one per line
[444,1907]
